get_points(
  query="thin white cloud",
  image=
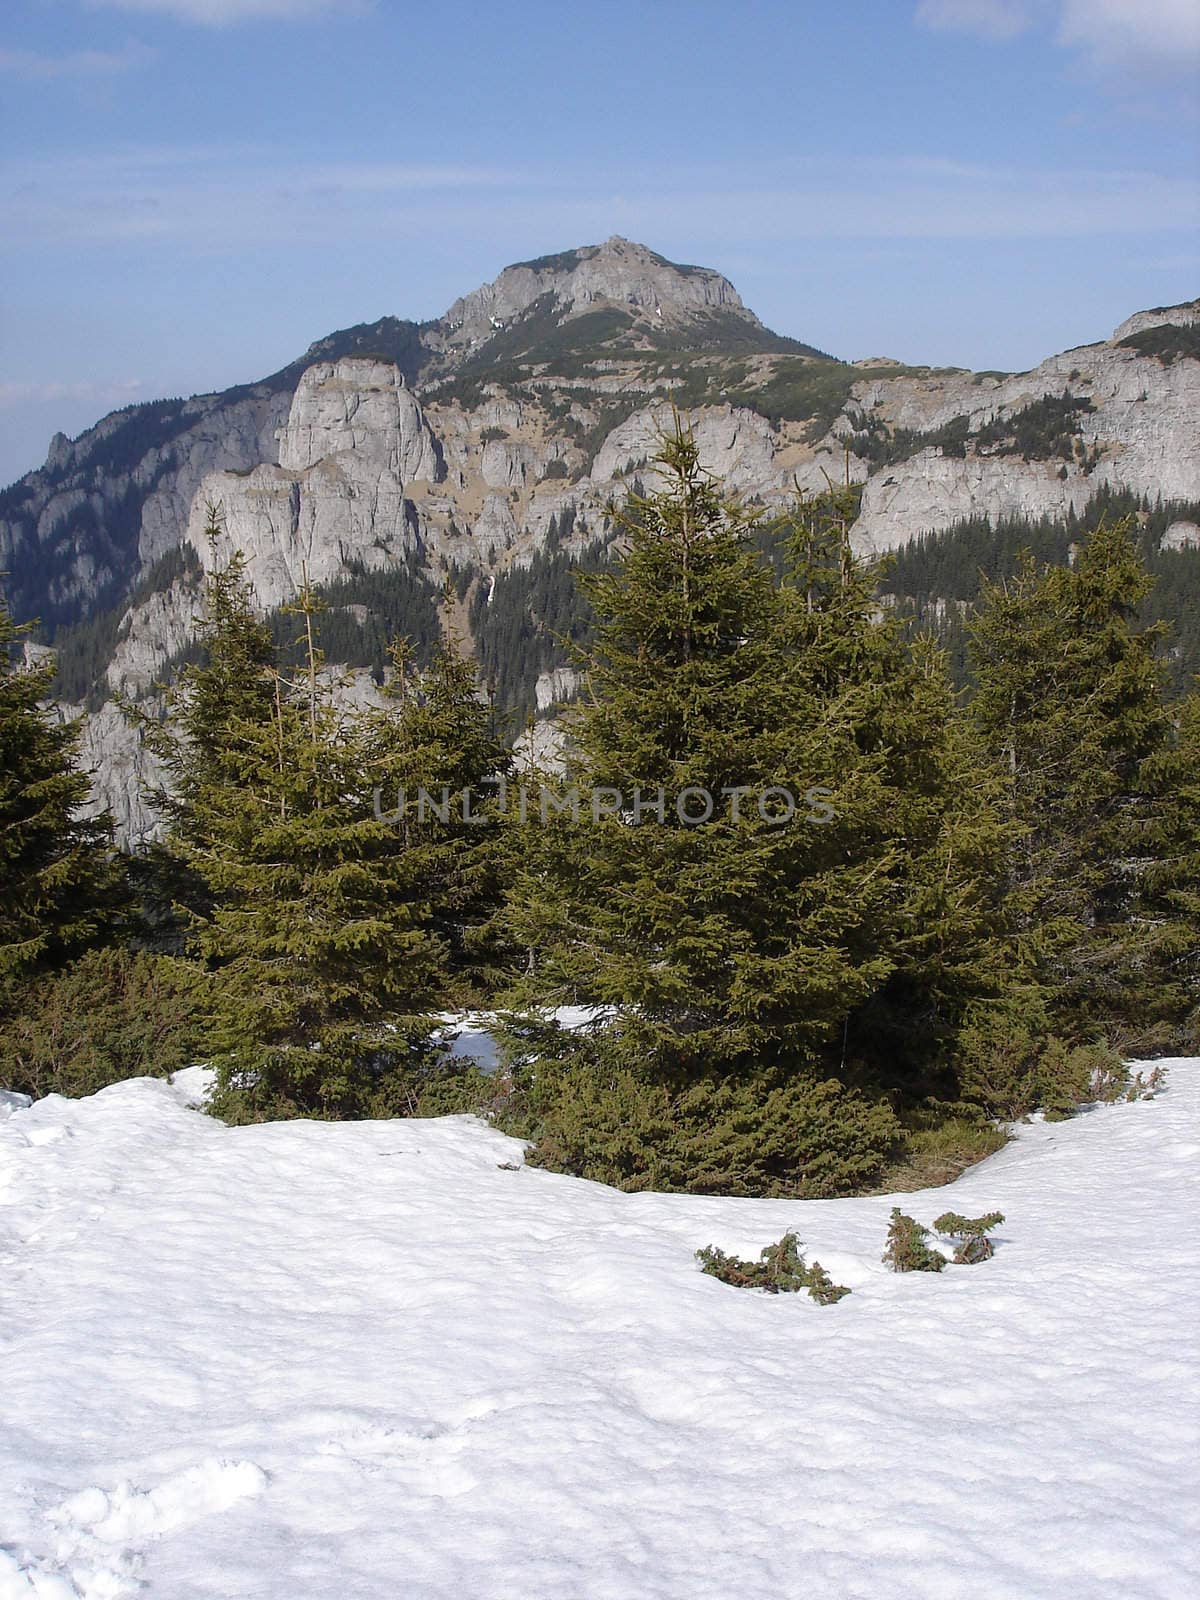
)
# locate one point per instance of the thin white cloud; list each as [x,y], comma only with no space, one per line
[1172,263]
[383,177]
[234,199]
[36,68]
[1118,37]
[991,19]
[1128,34]
[223,13]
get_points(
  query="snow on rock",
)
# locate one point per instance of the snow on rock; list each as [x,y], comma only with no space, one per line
[302,1360]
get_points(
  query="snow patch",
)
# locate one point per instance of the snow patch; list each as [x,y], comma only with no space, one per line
[307,1359]
[193,1085]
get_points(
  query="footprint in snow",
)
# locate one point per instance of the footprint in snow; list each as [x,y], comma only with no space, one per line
[127,1515]
[100,1533]
[422,1458]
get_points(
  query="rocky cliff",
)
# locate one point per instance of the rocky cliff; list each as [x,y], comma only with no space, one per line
[617,273]
[474,457]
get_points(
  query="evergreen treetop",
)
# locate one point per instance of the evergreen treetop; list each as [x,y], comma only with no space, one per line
[1070,704]
[60,885]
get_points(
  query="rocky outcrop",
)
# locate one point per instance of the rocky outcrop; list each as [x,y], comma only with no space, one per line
[79,533]
[617,272]
[355,435]
[292,526]
[361,407]
[122,770]
[1182,316]
[152,634]
[1182,535]
[932,491]
[226,438]
[508,466]
[736,445]
[556,687]
[1141,432]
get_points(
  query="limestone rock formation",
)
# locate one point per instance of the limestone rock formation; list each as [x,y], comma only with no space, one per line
[617,272]
[1182,316]
[931,490]
[1182,535]
[363,407]
[492,442]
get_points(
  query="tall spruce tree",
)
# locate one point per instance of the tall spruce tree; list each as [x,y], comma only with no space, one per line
[332,928]
[927,816]
[1070,705]
[734,951]
[59,884]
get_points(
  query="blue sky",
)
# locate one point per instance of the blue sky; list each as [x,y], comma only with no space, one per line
[194,190]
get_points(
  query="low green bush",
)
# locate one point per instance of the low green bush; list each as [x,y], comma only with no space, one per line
[906,1249]
[780,1269]
[1010,1063]
[756,1133]
[112,1014]
[970,1235]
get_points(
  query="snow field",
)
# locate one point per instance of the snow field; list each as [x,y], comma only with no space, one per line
[303,1361]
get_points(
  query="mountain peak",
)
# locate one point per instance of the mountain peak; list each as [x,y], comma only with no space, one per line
[619,273]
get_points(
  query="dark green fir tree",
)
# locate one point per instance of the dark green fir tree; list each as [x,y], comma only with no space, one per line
[59,885]
[1167,913]
[917,810]
[314,920]
[757,770]
[1070,706]
[442,773]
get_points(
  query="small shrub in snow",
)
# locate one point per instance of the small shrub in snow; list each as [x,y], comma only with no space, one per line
[1070,1078]
[971,1235]
[1145,1086]
[906,1248]
[822,1287]
[781,1269]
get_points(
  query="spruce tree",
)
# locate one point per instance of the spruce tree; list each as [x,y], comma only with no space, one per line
[315,923]
[922,813]
[333,927]
[218,702]
[713,944]
[1167,912]
[1070,705]
[59,884]
[740,955]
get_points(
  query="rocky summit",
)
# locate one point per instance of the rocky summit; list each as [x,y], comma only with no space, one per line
[443,478]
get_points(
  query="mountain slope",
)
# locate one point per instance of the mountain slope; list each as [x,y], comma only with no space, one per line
[467,463]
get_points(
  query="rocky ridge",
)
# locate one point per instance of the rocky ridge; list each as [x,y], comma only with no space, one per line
[493,440]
